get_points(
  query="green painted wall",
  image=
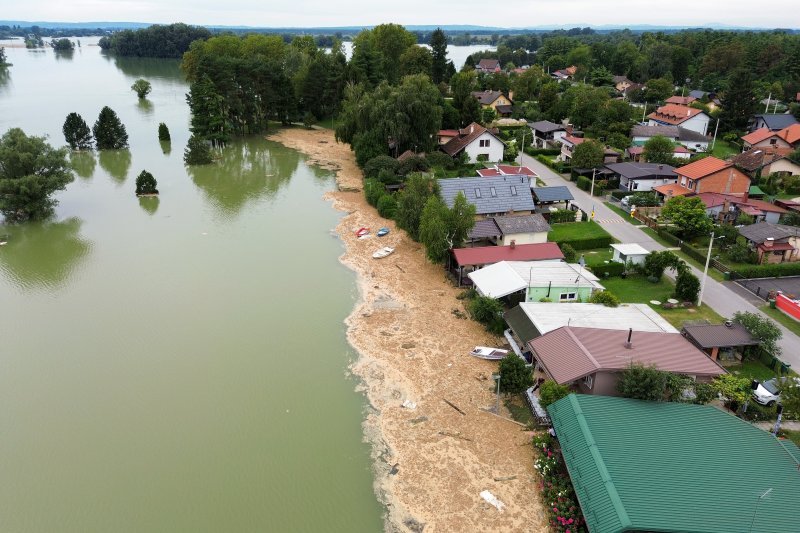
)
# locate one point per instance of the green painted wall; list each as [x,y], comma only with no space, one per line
[535,294]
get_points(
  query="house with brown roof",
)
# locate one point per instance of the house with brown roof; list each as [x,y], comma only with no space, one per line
[478,142]
[568,144]
[565,74]
[720,341]
[592,359]
[506,170]
[711,174]
[488,66]
[766,161]
[680,115]
[545,133]
[496,100]
[726,208]
[774,243]
[680,100]
[466,260]
[788,137]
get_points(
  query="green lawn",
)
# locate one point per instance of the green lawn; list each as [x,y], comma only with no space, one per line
[778,316]
[329,123]
[596,257]
[636,289]
[621,212]
[793,436]
[569,231]
[724,149]
[752,369]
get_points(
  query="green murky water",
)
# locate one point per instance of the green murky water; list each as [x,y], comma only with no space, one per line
[174,363]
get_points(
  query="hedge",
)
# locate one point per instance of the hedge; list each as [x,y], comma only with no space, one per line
[608,270]
[669,237]
[694,253]
[584,183]
[588,244]
[619,195]
[541,151]
[768,271]
[562,215]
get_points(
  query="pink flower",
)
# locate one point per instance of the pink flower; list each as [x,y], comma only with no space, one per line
[569,521]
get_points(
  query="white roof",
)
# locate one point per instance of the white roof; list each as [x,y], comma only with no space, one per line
[507,277]
[630,249]
[640,317]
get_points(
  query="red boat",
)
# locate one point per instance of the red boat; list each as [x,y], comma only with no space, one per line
[362,231]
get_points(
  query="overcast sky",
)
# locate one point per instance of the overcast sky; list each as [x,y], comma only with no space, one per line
[321,13]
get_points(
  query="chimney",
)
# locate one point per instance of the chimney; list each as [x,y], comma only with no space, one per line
[513,244]
[471,128]
[769,242]
[628,344]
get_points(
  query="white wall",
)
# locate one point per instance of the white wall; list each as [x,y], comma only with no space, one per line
[524,238]
[691,145]
[644,185]
[494,150]
[698,123]
[634,259]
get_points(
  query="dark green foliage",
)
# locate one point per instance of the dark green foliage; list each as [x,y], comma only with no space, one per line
[514,375]
[566,249]
[642,382]
[433,230]
[373,191]
[739,102]
[309,120]
[488,312]
[77,133]
[659,149]
[608,270]
[741,253]
[761,328]
[197,152]
[655,263]
[108,130]
[550,392]
[541,151]
[416,60]
[3,60]
[163,132]
[141,87]
[643,199]
[688,214]
[418,163]
[439,53]
[687,286]
[30,172]
[588,154]
[154,41]
[62,45]
[704,393]
[606,298]
[440,160]
[584,183]
[146,184]
[562,215]
[387,206]
[382,162]
[411,201]
[769,270]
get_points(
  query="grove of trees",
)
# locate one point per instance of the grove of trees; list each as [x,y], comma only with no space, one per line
[155,41]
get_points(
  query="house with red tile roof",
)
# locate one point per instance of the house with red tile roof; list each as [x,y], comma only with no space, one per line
[680,115]
[788,137]
[568,144]
[680,100]
[488,66]
[465,260]
[592,359]
[476,141]
[711,174]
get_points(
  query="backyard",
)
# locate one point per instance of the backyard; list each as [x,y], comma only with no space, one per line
[576,231]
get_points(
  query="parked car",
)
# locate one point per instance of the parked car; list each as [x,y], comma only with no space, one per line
[769,392]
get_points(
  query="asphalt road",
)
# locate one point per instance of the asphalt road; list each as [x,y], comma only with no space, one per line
[725,298]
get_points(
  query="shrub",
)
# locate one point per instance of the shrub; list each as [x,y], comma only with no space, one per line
[642,383]
[488,312]
[776,270]
[608,270]
[584,183]
[541,151]
[146,184]
[373,191]
[413,164]
[550,392]
[741,253]
[387,206]
[606,298]
[568,251]
[687,286]
[514,375]
[562,215]
[381,162]
[588,244]
[619,195]
[644,199]
[163,132]
[440,159]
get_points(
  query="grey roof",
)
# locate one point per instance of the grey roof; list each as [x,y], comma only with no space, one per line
[671,132]
[496,194]
[545,126]
[761,231]
[487,97]
[698,94]
[559,193]
[522,224]
[484,229]
[636,171]
[777,122]
[719,335]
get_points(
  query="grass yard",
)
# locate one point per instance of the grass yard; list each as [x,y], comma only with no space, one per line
[570,231]
[519,410]
[793,436]
[596,257]
[636,289]
[724,149]
[752,369]
[621,212]
[778,316]
[329,123]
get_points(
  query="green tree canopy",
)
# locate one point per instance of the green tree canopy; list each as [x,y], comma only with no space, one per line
[146,184]
[109,132]
[658,90]
[439,56]
[77,133]
[687,286]
[411,200]
[163,132]
[642,383]
[588,154]
[62,45]
[514,375]
[433,230]
[141,87]
[550,392]
[416,60]
[659,149]
[738,101]
[688,215]
[197,152]
[761,328]
[30,172]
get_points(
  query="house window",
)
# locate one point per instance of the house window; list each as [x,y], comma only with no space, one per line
[484,143]
[589,381]
[773,141]
[691,184]
[568,297]
[477,192]
[513,190]
[493,191]
[683,181]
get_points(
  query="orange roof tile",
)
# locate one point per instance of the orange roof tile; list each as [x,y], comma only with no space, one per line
[574,140]
[672,189]
[702,167]
[757,136]
[674,114]
[790,134]
[680,100]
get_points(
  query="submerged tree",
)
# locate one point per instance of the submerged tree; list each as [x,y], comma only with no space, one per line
[77,132]
[197,152]
[163,132]
[146,184]
[30,172]
[109,132]
[141,87]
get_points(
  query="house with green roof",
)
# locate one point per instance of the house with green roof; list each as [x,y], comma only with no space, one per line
[675,467]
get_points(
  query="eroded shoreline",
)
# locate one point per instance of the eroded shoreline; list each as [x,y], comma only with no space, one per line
[432,461]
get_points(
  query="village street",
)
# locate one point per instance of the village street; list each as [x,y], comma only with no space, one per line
[725,298]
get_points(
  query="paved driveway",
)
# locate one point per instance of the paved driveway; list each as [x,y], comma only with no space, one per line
[717,295]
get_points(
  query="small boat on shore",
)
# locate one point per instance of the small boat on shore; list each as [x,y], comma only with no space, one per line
[383,231]
[491,354]
[383,252]
[362,231]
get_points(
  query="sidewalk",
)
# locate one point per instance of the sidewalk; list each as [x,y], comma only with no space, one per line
[717,295]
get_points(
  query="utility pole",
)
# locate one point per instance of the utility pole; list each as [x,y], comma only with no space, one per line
[769,99]
[644,111]
[591,193]
[705,270]
[714,141]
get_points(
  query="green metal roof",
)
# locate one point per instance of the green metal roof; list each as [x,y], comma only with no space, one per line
[756,190]
[669,467]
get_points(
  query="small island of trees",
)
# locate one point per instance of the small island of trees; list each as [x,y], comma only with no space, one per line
[146,184]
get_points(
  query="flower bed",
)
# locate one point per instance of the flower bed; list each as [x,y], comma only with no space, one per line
[558,494]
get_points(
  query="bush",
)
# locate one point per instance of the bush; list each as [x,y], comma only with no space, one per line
[687,286]
[383,162]
[541,151]
[584,183]
[642,383]
[441,160]
[146,184]
[619,195]
[514,375]
[644,199]
[588,244]
[606,298]
[373,191]
[741,253]
[608,270]
[569,252]
[163,132]
[550,392]
[562,215]
[488,312]
[387,206]
[776,270]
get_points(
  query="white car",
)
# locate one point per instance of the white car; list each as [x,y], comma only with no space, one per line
[769,392]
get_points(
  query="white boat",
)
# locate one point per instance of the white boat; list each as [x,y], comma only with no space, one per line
[492,354]
[383,252]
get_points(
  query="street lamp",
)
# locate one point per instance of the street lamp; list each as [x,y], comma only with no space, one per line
[705,270]
[591,193]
